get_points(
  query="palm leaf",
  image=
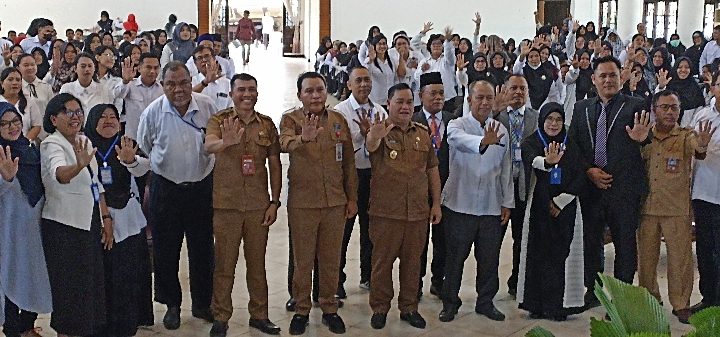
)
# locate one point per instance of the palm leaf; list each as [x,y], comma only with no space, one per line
[600,328]
[615,326]
[706,323]
[633,307]
[539,332]
[649,334]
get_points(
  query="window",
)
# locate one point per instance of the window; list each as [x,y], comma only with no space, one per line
[608,14]
[709,18]
[660,17]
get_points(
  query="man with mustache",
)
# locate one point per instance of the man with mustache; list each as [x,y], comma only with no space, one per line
[211,81]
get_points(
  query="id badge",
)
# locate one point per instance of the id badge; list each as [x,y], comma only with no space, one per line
[338,151]
[248,165]
[555,176]
[95,191]
[672,165]
[106,175]
[517,154]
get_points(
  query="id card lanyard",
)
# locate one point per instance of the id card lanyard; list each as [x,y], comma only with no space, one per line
[556,171]
[517,156]
[105,170]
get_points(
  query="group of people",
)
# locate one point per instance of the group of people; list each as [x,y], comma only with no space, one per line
[565,143]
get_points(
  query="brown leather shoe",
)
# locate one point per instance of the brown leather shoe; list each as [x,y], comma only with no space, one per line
[683,315]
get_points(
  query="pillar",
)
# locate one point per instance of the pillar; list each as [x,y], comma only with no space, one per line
[630,13]
[690,19]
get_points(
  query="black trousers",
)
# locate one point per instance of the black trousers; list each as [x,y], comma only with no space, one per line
[707,245]
[291,272]
[182,211]
[364,176]
[462,232]
[17,321]
[623,217]
[517,218]
[437,266]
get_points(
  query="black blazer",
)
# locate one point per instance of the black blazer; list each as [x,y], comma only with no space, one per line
[625,163]
[444,153]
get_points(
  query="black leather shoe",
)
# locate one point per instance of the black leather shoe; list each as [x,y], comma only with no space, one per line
[341,292]
[378,320]
[334,322]
[435,290]
[490,312]
[204,314]
[219,329]
[448,313]
[414,319]
[171,321]
[290,304]
[265,325]
[298,324]
[699,307]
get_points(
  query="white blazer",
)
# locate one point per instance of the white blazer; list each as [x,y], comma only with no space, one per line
[69,204]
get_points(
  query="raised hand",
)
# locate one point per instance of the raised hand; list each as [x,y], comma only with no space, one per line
[310,128]
[525,48]
[483,48]
[663,78]
[231,131]
[378,130]
[363,122]
[537,42]
[575,62]
[372,54]
[5,52]
[553,153]
[640,130]
[128,70]
[82,155]
[575,26]
[127,150]
[502,98]
[635,79]
[427,26]
[8,166]
[492,136]
[704,133]
[425,67]
[630,53]
[212,73]
[460,63]
[448,33]
[477,20]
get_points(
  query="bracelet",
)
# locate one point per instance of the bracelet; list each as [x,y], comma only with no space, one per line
[106,217]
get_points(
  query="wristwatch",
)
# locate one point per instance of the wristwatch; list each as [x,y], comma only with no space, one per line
[276,202]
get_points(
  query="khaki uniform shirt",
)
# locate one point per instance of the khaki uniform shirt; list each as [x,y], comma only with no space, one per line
[668,161]
[399,186]
[231,188]
[321,173]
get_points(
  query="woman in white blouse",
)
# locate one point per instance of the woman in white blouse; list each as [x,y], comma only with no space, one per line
[383,72]
[75,220]
[86,88]
[11,92]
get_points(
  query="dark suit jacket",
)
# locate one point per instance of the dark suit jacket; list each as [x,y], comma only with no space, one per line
[625,163]
[531,124]
[444,153]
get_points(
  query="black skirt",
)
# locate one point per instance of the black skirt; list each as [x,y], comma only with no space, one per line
[75,267]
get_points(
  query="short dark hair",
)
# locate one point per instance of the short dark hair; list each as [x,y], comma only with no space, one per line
[200,49]
[515,75]
[715,75]
[69,30]
[397,87]
[246,12]
[79,30]
[307,75]
[55,106]
[127,32]
[101,49]
[144,56]
[356,67]
[242,77]
[175,66]
[716,27]
[606,59]
[638,34]
[663,93]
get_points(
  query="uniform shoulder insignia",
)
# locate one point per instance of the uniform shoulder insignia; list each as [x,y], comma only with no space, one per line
[265,117]
[291,110]
[222,114]
[420,125]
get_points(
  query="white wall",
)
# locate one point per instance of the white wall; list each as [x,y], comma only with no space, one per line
[630,13]
[351,20]
[690,19]
[585,11]
[16,15]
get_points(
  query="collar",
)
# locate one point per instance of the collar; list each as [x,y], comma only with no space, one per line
[355,105]
[93,85]
[427,114]
[138,83]
[673,133]
[253,118]
[520,110]
[714,109]
[412,126]
[169,108]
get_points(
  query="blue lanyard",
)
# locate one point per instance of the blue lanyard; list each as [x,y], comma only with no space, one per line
[112,146]
[191,123]
[545,143]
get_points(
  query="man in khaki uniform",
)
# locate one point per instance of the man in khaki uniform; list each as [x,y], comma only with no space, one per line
[666,211]
[322,193]
[405,168]
[243,140]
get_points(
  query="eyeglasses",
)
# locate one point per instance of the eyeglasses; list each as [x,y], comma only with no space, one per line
[667,107]
[6,124]
[71,114]
[111,55]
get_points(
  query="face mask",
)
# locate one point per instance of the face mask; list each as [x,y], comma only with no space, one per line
[675,43]
[48,36]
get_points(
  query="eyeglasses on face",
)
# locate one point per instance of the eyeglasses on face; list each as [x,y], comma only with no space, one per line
[668,107]
[71,113]
[14,122]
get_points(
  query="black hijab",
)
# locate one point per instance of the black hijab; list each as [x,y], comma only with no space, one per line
[468,55]
[584,87]
[500,73]
[44,67]
[689,91]
[117,194]
[485,75]
[29,161]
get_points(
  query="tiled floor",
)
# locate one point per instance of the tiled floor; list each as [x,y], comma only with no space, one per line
[276,77]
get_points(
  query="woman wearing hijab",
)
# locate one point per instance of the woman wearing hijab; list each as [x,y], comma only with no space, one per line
[590,33]
[498,65]
[642,57]
[128,281]
[24,283]
[161,39]
[660,60]
[638,86]
[465,47]
[689,91]
[181,46]
[476,69]
[676,47]
[578,82]
[63,70]
[92,42]
[76,223]
[551,262]
[41,61]
[544,83]
[131,24]
[695,51]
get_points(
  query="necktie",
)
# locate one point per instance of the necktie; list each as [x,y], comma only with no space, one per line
[436,140]
[601,138]
[31,87]
[516,123]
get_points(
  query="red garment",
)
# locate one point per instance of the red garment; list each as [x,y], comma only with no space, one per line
[131,24]
[245,30]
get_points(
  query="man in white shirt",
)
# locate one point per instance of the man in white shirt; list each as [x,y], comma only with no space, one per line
[172,133]
[477,202]
[217,49]
[139,92]
[711,50]
[42,39]
[210,81]
[268,24]
[360,112]
[442,60]
[206,40]
[706,206]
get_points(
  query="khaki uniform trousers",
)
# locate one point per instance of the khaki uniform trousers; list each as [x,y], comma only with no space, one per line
[393,239]
[231,227]
[316,232]
[678,241]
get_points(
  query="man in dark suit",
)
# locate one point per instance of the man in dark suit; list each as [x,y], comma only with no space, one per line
[433,116]
[521,121]
[608,132]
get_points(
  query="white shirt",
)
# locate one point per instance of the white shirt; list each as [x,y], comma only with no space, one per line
[28,44]
[382,79]
[268,22]
[5,44]
[175,143]
[227,69]
[114,85]
[137,97]
[41,92]
[409,77]
[479,183]
[709,54]
[706,181]
[219,91]
[32,116]
[445,65]
[89,96]
[351,109]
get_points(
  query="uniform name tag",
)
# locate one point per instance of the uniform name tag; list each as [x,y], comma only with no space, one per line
[95,191]
[338,151]
[248,165]
[673,165]
[106,175]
